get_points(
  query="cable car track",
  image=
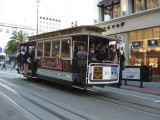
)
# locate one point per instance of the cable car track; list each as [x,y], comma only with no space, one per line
[116,100]
[129,103]
[42,106]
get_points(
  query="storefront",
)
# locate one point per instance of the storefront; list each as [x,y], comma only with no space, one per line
[139,27]
[144,48]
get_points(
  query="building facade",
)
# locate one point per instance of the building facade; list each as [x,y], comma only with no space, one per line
[137,23]
[7,30]
[48,24]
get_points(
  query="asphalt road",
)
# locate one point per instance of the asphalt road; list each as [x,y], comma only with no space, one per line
[22,99]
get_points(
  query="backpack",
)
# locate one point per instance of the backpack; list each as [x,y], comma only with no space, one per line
[19,57]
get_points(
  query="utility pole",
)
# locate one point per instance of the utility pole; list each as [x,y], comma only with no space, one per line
[38,1]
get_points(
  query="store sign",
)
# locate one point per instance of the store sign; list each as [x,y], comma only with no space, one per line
[115,25]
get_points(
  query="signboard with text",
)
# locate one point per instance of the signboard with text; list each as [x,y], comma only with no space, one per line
[131,73]
[0,50]
[103,73]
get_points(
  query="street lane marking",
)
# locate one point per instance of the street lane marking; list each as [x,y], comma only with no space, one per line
[38,87]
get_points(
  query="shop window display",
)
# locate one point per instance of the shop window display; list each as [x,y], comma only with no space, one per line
[149,52]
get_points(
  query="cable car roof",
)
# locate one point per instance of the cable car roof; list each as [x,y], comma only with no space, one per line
[72,35]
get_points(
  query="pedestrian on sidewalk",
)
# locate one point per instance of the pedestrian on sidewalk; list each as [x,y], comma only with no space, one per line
[13,65]
[4,66]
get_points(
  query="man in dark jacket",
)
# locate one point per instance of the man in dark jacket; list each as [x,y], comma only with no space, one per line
[26,63]
[121,59]
[33,62]
[112,56]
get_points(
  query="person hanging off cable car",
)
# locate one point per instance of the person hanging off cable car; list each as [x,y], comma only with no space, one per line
[82,63]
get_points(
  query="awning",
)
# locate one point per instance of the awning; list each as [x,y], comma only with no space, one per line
[103,2]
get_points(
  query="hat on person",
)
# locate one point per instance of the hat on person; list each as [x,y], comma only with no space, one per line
[111,46]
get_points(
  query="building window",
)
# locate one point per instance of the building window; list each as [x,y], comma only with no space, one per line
[152,4]
[7,31]
[141,5]
[116,11]
[1,30]
[13,31]
[111,10]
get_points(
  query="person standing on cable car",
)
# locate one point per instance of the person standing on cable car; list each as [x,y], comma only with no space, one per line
[121,59]
[33,62]
[112,55]
[26,56]
[82,55]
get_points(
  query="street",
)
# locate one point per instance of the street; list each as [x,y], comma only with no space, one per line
[22,99]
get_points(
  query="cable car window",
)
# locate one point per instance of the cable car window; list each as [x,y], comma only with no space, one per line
[66,49]
[47,47]
[40,50]
[55,48]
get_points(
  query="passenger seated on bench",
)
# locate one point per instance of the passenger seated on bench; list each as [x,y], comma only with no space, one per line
[92,56]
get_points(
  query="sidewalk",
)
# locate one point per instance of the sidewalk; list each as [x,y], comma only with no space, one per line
[148,87]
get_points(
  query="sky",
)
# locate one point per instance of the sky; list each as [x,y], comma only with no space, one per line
[24,11]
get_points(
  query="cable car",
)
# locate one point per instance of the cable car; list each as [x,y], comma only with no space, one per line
[57,60]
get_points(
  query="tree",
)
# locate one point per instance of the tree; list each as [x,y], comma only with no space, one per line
[11,48]
[19,36]
[12,45]
[2,56]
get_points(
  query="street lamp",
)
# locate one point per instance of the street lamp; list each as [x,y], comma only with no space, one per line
[75,23]
[72,24]
[38,1]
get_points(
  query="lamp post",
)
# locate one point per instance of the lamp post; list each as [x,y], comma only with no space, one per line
[72,24]
[38,1]
[75,23]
